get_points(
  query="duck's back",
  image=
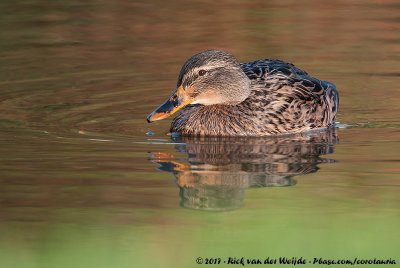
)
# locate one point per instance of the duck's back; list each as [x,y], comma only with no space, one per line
[284,100]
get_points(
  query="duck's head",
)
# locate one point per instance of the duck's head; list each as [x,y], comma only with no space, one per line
[207,78]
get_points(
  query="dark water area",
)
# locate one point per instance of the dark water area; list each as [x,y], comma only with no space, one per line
[84,184]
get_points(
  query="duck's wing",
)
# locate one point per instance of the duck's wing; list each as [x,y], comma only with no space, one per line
[261,69]
[288,99]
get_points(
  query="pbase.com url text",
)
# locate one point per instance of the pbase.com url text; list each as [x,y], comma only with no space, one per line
[292,261]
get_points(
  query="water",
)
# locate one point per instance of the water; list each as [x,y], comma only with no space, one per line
[86,182]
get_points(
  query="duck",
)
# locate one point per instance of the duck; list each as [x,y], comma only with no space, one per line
[218,96]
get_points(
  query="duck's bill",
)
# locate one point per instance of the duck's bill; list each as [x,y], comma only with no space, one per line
[176,101]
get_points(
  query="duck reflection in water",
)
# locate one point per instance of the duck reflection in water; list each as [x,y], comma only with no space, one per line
[218,170]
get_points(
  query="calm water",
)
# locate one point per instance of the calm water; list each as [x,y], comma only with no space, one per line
[82,185]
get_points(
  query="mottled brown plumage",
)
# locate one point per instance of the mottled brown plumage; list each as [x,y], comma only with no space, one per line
[278,98]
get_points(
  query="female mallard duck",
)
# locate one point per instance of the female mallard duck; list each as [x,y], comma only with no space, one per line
[222,97]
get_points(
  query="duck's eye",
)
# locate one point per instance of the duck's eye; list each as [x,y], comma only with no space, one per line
[202,72]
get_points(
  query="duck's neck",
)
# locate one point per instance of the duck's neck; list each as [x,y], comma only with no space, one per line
[215,120]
